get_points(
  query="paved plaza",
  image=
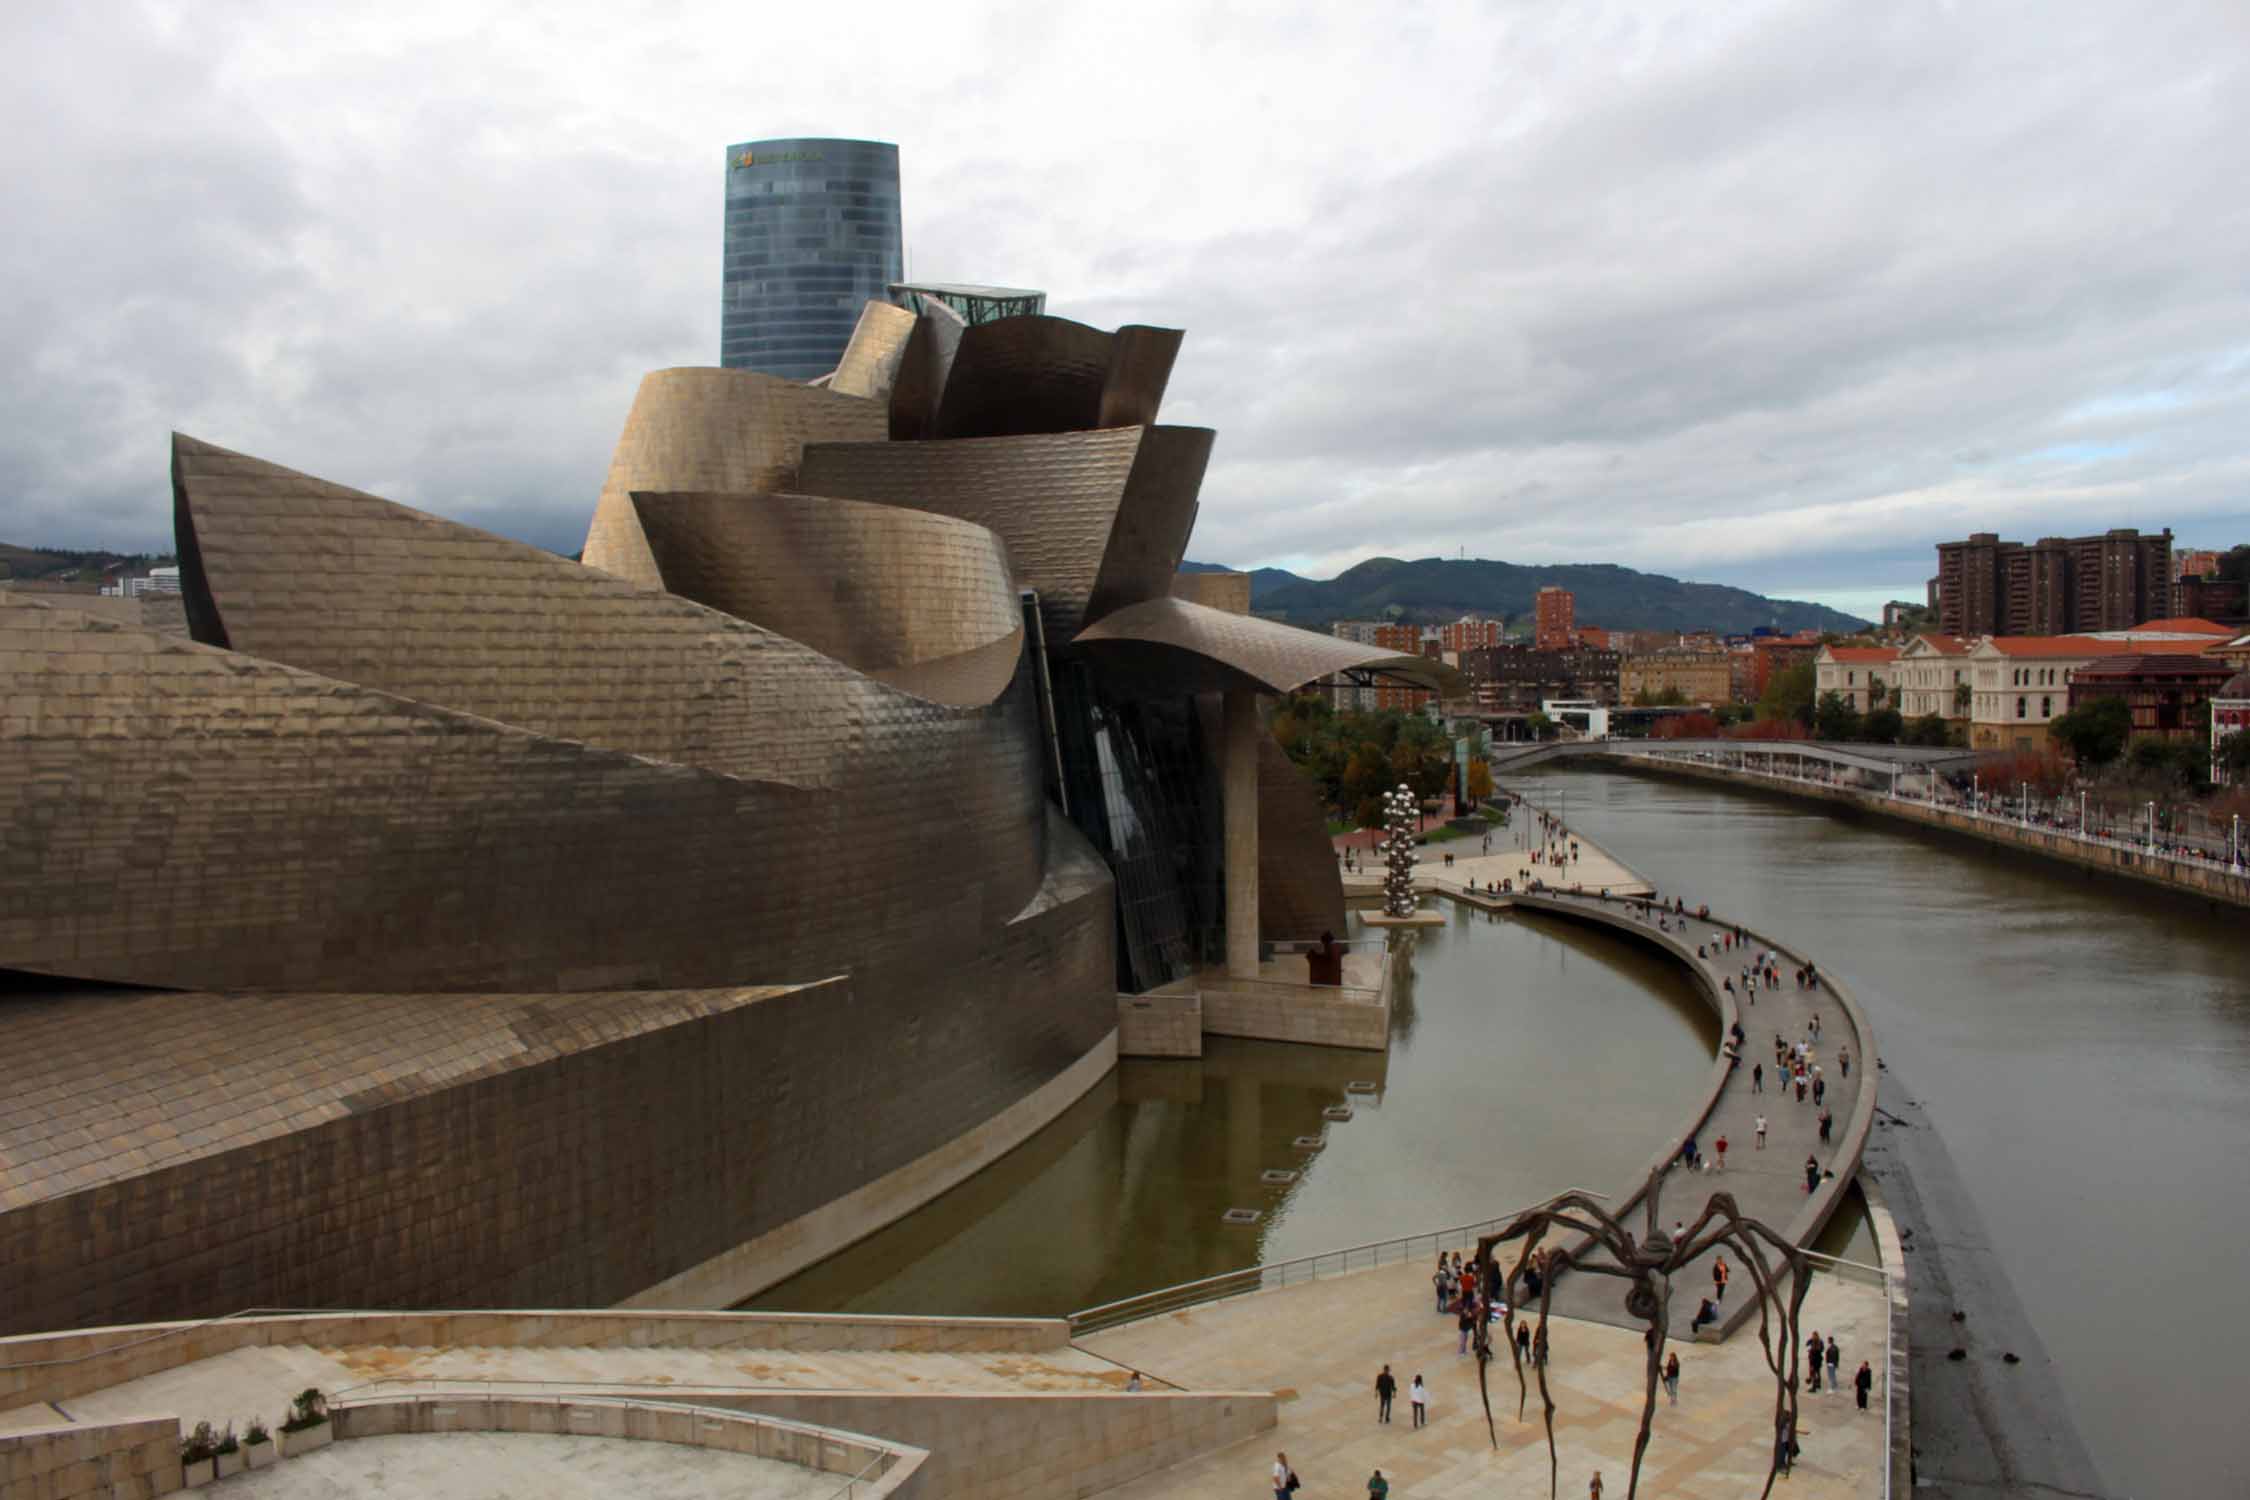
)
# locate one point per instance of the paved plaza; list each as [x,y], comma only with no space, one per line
[511,1465]
[1320,1343]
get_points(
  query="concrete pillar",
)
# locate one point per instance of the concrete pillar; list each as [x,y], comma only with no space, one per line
[1239,773]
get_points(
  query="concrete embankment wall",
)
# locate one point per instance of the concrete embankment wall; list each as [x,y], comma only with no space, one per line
[57,1366]
[2182,876]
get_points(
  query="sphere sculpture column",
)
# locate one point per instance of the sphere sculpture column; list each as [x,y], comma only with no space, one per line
[1400,813]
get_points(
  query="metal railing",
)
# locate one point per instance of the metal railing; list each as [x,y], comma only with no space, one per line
[1303,1268]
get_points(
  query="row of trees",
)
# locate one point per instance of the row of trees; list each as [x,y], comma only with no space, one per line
[2099,736]
[1357,757]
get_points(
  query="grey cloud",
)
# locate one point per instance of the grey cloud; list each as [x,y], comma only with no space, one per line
[1773,295]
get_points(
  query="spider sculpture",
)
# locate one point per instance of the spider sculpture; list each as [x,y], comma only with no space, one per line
[1647,1265]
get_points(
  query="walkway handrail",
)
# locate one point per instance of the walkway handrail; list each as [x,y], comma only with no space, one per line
[174,1330]
[1231,1283]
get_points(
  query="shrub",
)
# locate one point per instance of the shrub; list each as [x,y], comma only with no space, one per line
[256,1433]
[310,1409]
[199,1445]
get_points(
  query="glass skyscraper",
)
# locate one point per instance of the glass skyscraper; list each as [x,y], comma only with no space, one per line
[812,235]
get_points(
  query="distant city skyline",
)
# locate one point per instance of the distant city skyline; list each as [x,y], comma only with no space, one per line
[1776,297]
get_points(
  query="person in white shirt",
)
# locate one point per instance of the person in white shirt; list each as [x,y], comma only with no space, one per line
[1281,1476]
[1419,1394]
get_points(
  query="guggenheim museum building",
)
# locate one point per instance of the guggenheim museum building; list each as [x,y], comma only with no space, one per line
[438,921]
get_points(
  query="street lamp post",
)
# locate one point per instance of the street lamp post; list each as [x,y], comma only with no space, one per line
[2152,827]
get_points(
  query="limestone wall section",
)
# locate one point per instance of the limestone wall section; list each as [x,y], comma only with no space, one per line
[91,1463]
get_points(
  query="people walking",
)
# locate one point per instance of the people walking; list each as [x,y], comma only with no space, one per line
[1835,1357]
[1467,1323]
[1594,1486]
[1721,1146]
[1284,1477]
[1719,1274]
[1844,1060]
[1418,1396]
[1815,1352]
[1827,1119]
[1761,1132]
[1758,1079]
[1819,1088]
[1523,1343]
[1443,1281]
[1812,1173]
[1378,1488]
[1672,1377]
[1863,1382]
[1386,1386]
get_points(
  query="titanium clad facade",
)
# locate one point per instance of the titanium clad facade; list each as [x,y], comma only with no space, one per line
[812,236]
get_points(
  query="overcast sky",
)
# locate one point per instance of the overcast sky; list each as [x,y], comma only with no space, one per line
[1767,294]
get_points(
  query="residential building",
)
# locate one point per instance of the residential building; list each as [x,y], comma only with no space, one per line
[1696,676]
[1517,679]
[158,581]
[1554,619]
[1933,676]
[1470,633]
[2223,599]
[812,236]
[1348,696]
[2163,689]
[1405,640]
[2230,715]
[2054,586]
[1596,637]
[2019,683]
[1863,676]
[1771,655]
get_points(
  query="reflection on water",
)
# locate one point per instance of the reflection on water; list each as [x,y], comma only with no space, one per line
[2082,1044]
[1527,1055]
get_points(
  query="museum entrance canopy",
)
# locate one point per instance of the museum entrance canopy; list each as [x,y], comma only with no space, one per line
[1162,647]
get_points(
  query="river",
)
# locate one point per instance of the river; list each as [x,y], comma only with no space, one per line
[2082,1045]
[1527,1055]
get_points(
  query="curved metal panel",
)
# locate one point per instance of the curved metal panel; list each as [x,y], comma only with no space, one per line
[966,678]
[1300,893]
[735,431]
[1140,366]
[874,586]
[923,370]
[1023,375]
[233,823]
[1085,515]
[870,364]
[1198,649]
[356,588]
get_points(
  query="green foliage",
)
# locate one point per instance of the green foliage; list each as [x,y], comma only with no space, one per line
[1834,718]
[1883,726]
[199,1445]
[1480,778]
[1963,696]
[1930,730]
[2234,753]
[2234,565]
[1789,695]
[1670,697]
[2182,762]
[309,1409]
[1434,589]
[256,1433]
[2094,732]
[1541,727]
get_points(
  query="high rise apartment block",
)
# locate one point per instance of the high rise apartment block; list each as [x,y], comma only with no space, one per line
[1469,633]
[2054,586]
[1554,619]
[1406,640]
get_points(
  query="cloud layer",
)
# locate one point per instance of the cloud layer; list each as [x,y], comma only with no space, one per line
[1775,295]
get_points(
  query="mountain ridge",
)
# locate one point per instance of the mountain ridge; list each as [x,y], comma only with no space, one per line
[1433,590]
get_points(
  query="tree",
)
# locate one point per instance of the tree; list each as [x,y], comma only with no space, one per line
[1877,691]
[1480,779]
[2094,732]
[1930,729]
[1883,726]
[1669,697]
[1962,698]
[1541,727]
[1834,718]
[2180,761]
[2234,754]
[1789,695]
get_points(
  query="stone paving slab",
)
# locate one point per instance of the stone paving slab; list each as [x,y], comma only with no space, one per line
[511,1465]
[1320,1343]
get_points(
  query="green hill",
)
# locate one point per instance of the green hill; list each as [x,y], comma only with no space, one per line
[1436,589]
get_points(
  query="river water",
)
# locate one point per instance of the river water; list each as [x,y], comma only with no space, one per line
[2082,1045]
[1527,1055]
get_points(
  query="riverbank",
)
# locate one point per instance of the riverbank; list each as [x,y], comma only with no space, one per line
[2194,878]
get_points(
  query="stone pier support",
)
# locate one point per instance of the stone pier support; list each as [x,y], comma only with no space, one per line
[1239,768]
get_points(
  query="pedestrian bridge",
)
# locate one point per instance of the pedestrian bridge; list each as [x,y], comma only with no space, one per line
[1879,761]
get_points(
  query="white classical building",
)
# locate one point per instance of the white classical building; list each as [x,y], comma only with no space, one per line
[2021,683]
[1862,675]
[1933,677]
